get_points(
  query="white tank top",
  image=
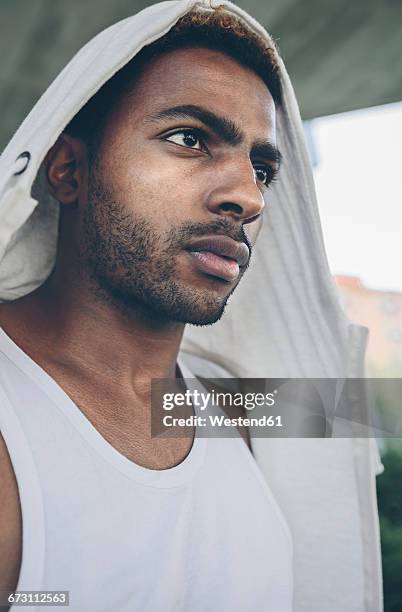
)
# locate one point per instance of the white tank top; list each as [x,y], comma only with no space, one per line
[205,535]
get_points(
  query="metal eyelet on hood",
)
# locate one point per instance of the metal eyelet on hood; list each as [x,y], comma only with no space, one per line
[22,163]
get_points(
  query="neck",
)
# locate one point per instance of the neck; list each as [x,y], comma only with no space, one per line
[74,323]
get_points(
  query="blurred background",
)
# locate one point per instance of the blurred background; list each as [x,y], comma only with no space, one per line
[345,61]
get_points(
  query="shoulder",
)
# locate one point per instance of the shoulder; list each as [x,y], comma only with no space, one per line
[220,382]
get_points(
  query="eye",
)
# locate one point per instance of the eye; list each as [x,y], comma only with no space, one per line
[191,139]
[265,174]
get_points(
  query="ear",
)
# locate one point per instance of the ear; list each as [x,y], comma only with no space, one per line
[66,165]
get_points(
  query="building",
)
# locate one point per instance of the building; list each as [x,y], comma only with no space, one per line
[381,312]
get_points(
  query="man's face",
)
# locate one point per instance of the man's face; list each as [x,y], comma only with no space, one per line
[175,195]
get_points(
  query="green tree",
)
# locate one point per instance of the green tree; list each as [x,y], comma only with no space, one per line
[389,491]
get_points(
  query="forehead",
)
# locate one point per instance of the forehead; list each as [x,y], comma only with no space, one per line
[210,79]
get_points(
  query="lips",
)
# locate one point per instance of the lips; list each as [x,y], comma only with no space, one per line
[219,256]
[223,246]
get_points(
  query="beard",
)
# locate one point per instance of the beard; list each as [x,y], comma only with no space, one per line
[134,267]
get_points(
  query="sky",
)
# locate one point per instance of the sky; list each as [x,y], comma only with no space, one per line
[358,180]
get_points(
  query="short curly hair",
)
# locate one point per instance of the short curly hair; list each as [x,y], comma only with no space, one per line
[213,29]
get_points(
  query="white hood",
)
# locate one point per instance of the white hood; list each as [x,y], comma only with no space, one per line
[284,319]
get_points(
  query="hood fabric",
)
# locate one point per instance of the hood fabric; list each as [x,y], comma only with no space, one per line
[284,319]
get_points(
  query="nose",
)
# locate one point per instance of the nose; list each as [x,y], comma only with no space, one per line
[235,192]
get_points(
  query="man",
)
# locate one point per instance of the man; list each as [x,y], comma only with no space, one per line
[161,179]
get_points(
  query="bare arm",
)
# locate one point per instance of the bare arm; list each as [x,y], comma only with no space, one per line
[10,523]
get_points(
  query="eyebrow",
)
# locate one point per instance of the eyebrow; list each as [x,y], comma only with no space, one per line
[223,127]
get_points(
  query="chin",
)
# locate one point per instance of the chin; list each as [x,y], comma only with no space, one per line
[203,318]
[170,301]
[195,312]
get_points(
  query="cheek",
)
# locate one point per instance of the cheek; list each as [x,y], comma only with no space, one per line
[159,188]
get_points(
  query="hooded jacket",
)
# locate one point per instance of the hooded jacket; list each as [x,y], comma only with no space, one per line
[284,319]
